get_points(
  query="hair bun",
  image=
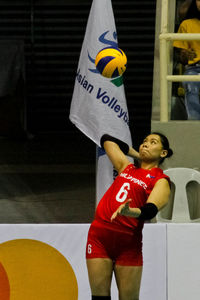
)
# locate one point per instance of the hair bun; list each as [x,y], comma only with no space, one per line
[170,152]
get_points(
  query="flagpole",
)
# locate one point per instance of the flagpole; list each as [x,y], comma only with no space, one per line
[99,104]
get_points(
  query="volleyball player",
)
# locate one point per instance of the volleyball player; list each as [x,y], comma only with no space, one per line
[114,242]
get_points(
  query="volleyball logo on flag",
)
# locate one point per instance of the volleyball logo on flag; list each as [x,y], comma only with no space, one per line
[102,39]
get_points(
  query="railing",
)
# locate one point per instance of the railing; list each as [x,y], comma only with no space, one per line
[166,37]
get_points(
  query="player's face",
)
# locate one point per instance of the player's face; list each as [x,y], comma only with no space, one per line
[152,149]
[198,4]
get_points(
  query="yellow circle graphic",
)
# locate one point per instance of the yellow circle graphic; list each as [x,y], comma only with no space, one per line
[33,270]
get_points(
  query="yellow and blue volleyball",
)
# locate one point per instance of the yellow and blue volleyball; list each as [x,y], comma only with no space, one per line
[111,62]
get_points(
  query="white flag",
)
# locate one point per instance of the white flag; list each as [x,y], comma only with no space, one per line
[98,103]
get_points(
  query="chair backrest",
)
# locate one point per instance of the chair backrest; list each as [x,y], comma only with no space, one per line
[180,177]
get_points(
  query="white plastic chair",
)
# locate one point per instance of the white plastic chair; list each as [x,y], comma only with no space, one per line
[177,210]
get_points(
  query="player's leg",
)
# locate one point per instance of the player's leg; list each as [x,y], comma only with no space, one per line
[128,280]
[100,276]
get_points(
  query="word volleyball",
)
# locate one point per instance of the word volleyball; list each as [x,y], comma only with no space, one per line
[111,102]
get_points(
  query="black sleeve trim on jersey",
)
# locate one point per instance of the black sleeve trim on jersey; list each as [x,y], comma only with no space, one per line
[148,211]
[122,145]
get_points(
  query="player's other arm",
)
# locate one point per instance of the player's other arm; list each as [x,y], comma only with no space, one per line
[160,193]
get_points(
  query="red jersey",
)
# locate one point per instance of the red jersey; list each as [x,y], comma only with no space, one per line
[133,183]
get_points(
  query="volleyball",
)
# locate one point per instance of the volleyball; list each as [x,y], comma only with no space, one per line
[111,62]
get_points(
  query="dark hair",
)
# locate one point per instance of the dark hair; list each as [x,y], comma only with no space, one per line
[165,143]
[192,12]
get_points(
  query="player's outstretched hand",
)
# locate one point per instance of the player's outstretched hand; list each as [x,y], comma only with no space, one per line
[126,210]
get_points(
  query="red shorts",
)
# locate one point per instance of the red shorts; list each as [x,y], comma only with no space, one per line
[124,248]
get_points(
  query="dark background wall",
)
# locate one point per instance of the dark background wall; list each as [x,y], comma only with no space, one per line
[52,32]
[47,166]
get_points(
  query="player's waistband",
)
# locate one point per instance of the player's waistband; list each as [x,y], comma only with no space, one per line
[115,227]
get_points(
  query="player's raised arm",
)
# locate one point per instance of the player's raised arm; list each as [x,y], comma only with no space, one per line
[117,151]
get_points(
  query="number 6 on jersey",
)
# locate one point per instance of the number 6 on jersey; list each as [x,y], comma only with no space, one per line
[123,192]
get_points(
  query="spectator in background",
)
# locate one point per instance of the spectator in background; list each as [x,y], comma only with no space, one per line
[183,8]
[188,53]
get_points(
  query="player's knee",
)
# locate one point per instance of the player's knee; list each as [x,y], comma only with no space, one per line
[128,294]
[100,289]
